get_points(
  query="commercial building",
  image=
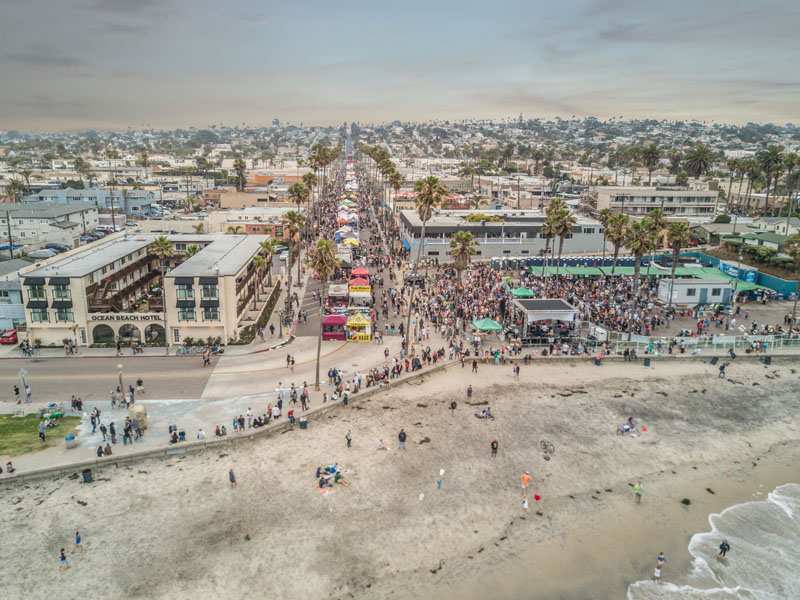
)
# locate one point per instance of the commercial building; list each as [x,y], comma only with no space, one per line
[133,203]
[110,291]
[504,233]
[12,311]
[638,201]
[47,222]
[260,220]
[692,292]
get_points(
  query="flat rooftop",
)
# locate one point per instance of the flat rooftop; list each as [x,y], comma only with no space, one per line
[225,255]
[221,255]
[511,218]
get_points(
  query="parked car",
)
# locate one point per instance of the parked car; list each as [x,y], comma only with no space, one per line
[8,337]
[42,253]
[57,247]
[284,255]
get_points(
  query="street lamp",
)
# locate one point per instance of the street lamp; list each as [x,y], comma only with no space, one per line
[119,368]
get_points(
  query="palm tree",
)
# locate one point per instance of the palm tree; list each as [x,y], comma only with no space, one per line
[549,231]
[324,261]
[564,221]
[657,223]
[698,160]
[638,239]
[310,181]
[396,181]
[240,170]
[678,238]
[430,193]
[462,249]
[259,262]
[616,233]
[269,247]
[234,229]
[191,250]
[604,217]
[294,222]
[198,228]
[16,189]
[651,155]
[771,163]
[163,250]
[298,193]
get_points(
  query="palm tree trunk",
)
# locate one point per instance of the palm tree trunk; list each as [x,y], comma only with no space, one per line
[730,185]
[675,252]
[319,337]
[616,254]
[637,266]
[560,248]
[766,199]
[546,248]
[414,286]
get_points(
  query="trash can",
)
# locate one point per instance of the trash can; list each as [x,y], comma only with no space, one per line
[647,362]
[303,424]
[87,475]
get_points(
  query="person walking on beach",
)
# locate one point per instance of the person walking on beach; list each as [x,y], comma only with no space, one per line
[63,564]
[78,542]
[723,549]
[474,366]
[401,440]
[637,492]
[722,368]
[525,481]
[469,392]
[232,477]
[348,437]
[494,445]
[661,559]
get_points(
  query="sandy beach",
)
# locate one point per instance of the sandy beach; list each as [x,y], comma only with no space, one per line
[176,529]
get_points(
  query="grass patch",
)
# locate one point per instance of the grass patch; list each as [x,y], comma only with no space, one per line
[19,435]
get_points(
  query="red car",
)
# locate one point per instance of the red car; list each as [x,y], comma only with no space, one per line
[8,337]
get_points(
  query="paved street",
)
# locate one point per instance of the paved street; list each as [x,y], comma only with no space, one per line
[56,379]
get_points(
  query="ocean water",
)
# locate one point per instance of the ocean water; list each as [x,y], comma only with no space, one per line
[762,564]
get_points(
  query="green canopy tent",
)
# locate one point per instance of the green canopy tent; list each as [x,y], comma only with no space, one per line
[487,325]
[522,292]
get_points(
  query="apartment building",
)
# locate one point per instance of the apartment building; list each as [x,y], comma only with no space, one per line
[638,201]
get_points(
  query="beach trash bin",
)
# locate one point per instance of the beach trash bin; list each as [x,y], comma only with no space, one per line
[70,440]
[181,436]
[303,424]
[647,362]
[87,475]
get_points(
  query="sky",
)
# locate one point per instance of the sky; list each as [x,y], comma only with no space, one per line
[113,64]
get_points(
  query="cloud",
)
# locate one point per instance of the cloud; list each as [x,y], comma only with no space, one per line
[42,57]
[124,6]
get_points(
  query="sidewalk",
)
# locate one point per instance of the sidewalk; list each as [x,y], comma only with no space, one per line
[256,346]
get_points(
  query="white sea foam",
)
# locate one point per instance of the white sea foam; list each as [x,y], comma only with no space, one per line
[764,560]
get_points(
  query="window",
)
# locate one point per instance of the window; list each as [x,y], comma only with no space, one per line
[716,291]
[691,291]
[211,313]
[186,314]
[526,252]
[209,292]
[176,335]
[433,253]
[506,251]
[180,247]
[588,230]
[39,315]
[36,292]
[64,314]
[184,292]
[61,292]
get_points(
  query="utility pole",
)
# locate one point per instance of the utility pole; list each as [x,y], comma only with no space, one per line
[10,241]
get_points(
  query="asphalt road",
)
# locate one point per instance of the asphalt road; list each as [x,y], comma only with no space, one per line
[56,379]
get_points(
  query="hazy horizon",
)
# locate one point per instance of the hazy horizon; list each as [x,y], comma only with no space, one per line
[166,64]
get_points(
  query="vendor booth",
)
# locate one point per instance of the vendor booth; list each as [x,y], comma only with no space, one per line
[338,298]
[333,327]
[359,272]
[359,328]
[360,292]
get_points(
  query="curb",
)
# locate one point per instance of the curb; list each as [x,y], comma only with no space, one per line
[98,464]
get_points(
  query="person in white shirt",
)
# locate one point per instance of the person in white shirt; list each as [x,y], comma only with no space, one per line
[201,435]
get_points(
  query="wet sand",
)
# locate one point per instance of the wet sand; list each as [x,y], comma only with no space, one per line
[175,528]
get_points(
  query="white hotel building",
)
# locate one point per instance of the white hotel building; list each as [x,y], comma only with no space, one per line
[109,291]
